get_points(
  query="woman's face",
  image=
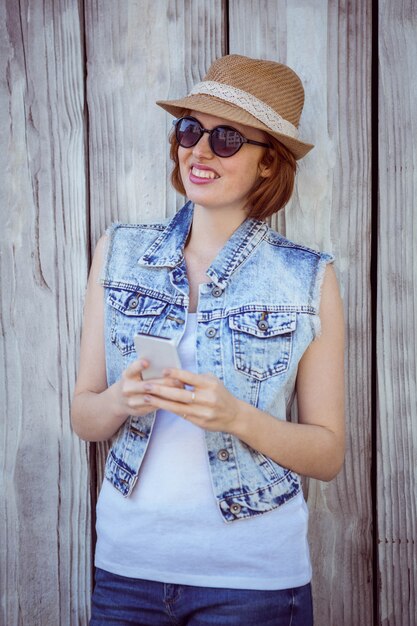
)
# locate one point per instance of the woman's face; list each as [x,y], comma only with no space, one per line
[216,182]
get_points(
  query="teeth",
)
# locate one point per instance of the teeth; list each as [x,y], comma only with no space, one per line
[204,173]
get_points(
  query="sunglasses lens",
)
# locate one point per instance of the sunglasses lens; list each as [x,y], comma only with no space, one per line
[225,142]
[188,132]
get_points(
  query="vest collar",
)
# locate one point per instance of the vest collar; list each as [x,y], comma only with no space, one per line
[168,249]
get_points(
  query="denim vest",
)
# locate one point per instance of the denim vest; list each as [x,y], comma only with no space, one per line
[256,316]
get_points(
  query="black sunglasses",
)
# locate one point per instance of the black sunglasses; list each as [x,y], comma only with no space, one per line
[224,141]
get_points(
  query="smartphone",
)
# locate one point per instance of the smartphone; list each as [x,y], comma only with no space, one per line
[160,353]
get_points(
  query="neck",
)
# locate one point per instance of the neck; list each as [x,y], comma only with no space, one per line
[211,229]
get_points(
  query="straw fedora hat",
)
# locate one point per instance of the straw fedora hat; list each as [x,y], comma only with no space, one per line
[262,94]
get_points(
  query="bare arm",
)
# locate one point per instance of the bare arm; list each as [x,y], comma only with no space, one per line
[97,410]
[314,446]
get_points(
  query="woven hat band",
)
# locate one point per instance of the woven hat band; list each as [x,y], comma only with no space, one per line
[248,103]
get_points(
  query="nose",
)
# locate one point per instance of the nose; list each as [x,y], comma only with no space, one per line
[202,147]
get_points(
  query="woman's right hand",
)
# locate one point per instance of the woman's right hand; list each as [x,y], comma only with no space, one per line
[129,391]
[97,415]
[97,410]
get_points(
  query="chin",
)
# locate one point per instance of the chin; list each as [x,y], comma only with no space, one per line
[202,199]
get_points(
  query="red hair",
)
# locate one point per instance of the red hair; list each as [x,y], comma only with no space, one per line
[268,195]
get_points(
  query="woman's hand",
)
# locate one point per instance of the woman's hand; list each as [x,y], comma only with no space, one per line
[98,413]
[207,403]
[130,391]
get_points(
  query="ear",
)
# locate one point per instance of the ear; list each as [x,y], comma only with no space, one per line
[264,170]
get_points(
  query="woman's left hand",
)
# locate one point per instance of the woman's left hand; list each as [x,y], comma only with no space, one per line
[207,404]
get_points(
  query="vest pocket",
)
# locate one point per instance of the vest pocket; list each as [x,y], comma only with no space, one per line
[132,312]
[262,342]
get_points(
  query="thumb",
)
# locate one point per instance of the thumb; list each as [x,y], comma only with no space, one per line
[135,369]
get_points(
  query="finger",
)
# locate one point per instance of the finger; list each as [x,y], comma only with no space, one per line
[169,382]
[136,368]
[137,403]
[170,393]
[186,377]
[179,408]
[198,415]
[135,387]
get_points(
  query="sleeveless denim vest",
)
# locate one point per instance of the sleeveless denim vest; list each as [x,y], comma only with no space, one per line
[255,319]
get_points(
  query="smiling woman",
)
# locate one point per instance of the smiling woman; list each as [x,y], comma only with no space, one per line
[269,193]
[256,318]
[214,181]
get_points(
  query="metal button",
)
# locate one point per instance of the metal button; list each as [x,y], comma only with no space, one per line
[138,432]
[133,303]
[235,508]
[223,455]
[211,332]
[178,320]
[263,325]
[216,292]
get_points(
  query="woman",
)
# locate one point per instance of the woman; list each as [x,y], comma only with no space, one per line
[201,517]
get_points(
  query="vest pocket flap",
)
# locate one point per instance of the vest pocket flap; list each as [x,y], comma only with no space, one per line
[134,303]
[263,323]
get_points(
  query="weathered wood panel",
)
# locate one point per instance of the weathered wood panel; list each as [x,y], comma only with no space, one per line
[397,308]
[138,53]
[328,44]
[44,513]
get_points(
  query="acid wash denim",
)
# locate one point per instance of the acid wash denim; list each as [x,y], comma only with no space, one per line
[256,316]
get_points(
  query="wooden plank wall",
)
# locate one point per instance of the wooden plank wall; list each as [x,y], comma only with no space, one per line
[130,166]
[45,514]
[329,47]
[79,81]
[396,314]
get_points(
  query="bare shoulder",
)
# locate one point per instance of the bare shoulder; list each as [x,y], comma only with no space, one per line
[92,373]
[98,259]
[93,308]
[331,305]
[330,287]
[320,377]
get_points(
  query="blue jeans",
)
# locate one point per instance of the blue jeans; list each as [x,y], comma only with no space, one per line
[121,601]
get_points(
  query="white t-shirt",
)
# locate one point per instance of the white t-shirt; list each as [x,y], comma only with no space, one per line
[170,529]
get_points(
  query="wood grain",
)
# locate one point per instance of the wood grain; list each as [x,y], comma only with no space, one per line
[138,53]
[72,160]
[257,29]
[397,307]
[130,67]
[328,45]
[44,529]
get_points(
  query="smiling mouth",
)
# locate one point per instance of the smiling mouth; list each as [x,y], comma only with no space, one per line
[208,174]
